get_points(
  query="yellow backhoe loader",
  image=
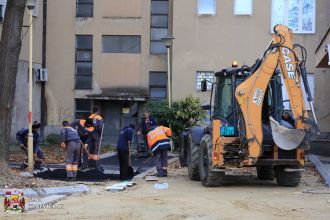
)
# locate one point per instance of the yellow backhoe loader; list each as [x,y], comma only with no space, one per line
[247,127]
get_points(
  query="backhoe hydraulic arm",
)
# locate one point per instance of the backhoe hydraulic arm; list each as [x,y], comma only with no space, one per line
[251,93]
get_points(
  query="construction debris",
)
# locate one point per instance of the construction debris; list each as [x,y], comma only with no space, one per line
[151,178]
[312,191]
[161,186]
[120,186]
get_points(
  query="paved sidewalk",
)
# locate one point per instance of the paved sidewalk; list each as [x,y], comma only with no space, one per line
[322,164]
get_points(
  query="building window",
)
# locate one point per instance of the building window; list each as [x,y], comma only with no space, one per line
[201,75]
[206,7]
[82,108]
[243,7]
[121,44]
[84,8]
[158,85]
[84,62]
[3,4]
[158,26]
[299,15]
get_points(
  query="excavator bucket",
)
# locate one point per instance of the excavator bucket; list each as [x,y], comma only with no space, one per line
[286,138]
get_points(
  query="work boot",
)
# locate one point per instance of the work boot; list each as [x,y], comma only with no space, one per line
[71,179]
[161,175]
[165,172]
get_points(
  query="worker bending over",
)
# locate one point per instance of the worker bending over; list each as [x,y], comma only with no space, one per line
[79,125]
[159,142]
[22,138]
[123,148]
[93,145]
[70,141]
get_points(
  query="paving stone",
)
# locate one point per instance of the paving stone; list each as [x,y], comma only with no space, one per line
[66,190]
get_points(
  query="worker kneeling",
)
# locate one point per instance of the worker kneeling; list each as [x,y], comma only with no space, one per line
[159,142]
[70,141]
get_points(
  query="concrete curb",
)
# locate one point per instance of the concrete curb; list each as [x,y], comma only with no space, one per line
[28,192]
[153,170]
[325,173]
[64,190]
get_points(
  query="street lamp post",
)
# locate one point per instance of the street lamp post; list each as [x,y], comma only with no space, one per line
[168,42]
[30,5]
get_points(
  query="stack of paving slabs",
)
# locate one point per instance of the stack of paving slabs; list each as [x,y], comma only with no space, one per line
[120,186]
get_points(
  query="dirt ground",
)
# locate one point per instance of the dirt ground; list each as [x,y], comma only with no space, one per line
[243,197]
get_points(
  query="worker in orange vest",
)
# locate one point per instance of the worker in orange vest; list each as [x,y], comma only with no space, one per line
[93,146]
[97,121]
[159,141]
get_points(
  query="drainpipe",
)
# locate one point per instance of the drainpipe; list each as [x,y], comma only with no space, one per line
[43,103]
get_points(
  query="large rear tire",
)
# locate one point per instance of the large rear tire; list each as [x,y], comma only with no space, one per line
[193,160]
[283,178]
[265,172]
[208,178]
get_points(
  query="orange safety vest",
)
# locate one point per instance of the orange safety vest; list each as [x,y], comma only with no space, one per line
[159,138]
[82,122]
[95,116]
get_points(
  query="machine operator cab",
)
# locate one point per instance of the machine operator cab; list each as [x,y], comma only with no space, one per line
[226,108]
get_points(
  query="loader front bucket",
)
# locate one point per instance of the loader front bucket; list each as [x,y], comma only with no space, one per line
[286,138]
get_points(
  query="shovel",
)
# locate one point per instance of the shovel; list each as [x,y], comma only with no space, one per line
[286,138]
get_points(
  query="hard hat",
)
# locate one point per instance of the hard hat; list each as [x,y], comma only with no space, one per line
[234,63]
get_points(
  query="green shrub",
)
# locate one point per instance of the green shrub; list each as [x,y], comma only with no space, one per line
[183,114]
[53,138]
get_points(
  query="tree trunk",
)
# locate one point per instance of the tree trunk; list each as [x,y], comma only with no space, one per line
[10,47]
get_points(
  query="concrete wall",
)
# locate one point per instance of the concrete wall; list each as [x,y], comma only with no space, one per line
[20,109]
[210,43]
[21,102]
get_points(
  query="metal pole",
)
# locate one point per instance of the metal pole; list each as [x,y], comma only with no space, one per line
[30,135]
[169,75]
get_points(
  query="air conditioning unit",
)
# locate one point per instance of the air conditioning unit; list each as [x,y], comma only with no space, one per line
[41,75]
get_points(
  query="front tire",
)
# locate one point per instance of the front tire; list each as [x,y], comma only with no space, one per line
[193,160]
[283,178]
[208,178]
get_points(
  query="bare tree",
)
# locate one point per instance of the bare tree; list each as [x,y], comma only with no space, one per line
[10,47]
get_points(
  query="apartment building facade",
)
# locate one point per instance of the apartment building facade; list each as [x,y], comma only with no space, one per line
[110,54]
[107,54]
[322,63]
[210,34]
[20,109]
